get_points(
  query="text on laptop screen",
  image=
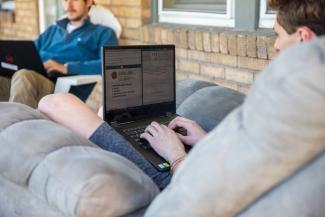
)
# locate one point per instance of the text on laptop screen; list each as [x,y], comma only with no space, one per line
[139,76]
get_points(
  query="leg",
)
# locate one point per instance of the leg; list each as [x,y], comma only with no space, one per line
[68,110]
[108,139]
[28,87]
[4,88]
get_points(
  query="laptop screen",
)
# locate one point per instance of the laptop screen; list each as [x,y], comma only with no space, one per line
[139,81]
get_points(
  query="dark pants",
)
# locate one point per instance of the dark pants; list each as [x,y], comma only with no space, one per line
[108,139]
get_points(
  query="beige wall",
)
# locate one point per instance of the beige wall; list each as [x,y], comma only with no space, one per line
[225,56]
[23,24]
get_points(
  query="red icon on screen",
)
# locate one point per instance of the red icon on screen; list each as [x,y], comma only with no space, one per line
[114,75]
[9,58]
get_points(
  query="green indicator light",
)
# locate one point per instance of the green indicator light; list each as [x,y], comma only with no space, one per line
[166,164]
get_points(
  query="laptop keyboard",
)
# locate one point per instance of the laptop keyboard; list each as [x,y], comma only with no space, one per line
[135,133]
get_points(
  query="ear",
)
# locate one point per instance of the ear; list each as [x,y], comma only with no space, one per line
[305,33]
[90,3]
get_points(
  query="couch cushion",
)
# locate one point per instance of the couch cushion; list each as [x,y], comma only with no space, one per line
[87,181]
[15,112]
[18,201]
[67,171]
[209,105]
[185,88]
[278,129]
[26,138]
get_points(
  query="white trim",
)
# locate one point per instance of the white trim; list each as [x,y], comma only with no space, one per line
[41,18]
[48,13]
[8,5]
[266,20]
[196,18]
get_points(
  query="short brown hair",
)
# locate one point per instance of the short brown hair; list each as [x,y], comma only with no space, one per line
[292,14]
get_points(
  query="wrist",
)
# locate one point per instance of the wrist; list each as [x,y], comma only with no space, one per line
[65,68]
[175,155]
[176,163]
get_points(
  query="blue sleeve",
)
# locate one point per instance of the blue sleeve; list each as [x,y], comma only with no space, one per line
[108,37]
[40,40]
[108,139]
[44,38]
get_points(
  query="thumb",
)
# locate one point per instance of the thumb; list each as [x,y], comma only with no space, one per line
[184,139]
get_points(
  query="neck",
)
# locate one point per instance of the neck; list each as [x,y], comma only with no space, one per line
[79,22]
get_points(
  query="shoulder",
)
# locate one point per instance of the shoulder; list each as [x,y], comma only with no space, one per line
[54,27]
[50,30]
[102,30]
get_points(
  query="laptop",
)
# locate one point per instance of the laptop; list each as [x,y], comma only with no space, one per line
[16,55]
[139,87]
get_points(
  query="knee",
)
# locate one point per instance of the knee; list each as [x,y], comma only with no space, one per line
[24,76]
[55,102]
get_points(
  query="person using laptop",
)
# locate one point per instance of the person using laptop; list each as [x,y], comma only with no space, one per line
[72,46]
[297,21]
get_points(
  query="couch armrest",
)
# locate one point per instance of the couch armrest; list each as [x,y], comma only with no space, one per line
[65,170]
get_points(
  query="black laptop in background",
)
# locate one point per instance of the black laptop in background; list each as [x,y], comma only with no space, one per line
[139,87]
[16,55]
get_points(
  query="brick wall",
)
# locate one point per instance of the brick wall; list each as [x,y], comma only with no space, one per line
[23,23]
[132,16]
[225,56]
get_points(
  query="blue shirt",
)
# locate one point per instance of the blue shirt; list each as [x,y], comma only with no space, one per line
[80,49]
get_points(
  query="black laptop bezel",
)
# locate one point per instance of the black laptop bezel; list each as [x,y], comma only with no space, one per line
[25,51]
[135,113]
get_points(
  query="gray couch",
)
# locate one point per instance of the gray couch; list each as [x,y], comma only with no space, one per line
[265,158]
[24,132]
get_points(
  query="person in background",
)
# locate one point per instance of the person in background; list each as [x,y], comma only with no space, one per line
[297,21]
[72,46]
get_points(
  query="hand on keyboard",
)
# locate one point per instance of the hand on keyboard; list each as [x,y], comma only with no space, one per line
[144,143]
[194,132]
[164,141]
[135,133]
[181,131]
